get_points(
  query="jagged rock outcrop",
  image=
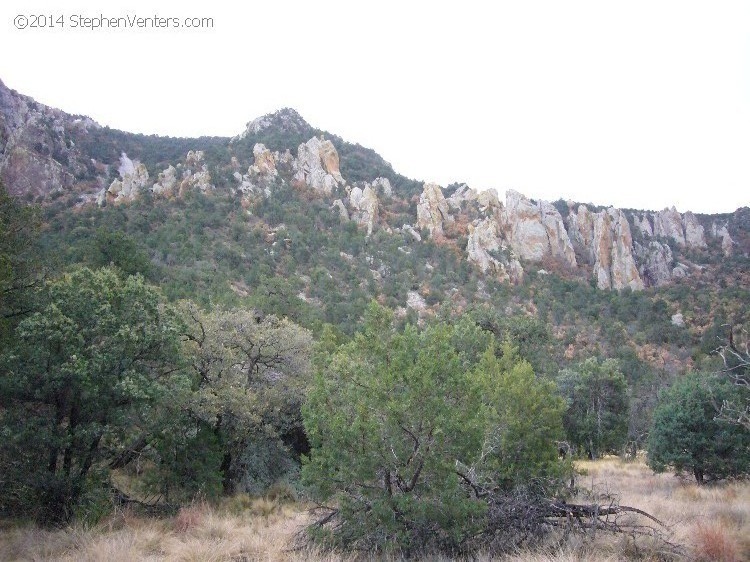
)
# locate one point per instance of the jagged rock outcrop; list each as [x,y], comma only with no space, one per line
[133,177]
[433,210]
[604,239]
[683,229]
[265,162]
[196,174]
[409,229]
[461,194]
[38,155]
[488,199]
[383,185]
[364,207]
[695,236]
[485,249]
[656,263]
[167,181]
[727,244]
[614,266]
[317,166]
[643,223]
[536,230]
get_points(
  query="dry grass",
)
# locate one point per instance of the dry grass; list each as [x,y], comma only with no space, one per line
[712,522]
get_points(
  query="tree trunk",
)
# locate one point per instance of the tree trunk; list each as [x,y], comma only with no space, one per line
[698,472]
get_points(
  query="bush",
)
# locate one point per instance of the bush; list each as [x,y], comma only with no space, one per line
[408,440]
[686,436]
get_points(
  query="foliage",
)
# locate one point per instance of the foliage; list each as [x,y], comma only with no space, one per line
[20,268]
[99,348]
[686,436]
[406,436]
[248,373]
[596,420]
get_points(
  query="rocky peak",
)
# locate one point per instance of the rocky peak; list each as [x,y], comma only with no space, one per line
[285,119]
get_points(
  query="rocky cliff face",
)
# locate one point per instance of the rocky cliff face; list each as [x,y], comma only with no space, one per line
[605,240]
[38,155]
[668,223]
[485,248]
[536,230]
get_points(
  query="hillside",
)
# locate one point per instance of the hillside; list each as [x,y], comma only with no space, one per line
[295,221]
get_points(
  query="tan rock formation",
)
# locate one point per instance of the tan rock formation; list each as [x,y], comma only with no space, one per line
[167,181]
[133,177]
[683,229]
[432,210]
[364,207]
[614,266]
[486,250]
[695,237]
[195,175]
[727,244]
[265,162]
[317,166]
[384,185]
[536,230]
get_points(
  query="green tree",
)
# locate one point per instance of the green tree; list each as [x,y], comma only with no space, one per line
[596,420]
[686,436]
[249,372]
[20,266]
[98,349]
[408,439]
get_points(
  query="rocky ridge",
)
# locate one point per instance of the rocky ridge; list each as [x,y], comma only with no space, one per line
[40,156]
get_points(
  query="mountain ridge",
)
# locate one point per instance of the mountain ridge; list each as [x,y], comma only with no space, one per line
[47,154]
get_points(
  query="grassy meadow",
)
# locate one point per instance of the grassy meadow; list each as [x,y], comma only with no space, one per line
[709,523]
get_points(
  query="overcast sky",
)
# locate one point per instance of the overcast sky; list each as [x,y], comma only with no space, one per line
[632,104]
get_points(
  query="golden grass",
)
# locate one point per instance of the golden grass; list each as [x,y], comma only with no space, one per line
[711,522]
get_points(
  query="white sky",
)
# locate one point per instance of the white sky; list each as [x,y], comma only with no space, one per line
[634,104]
